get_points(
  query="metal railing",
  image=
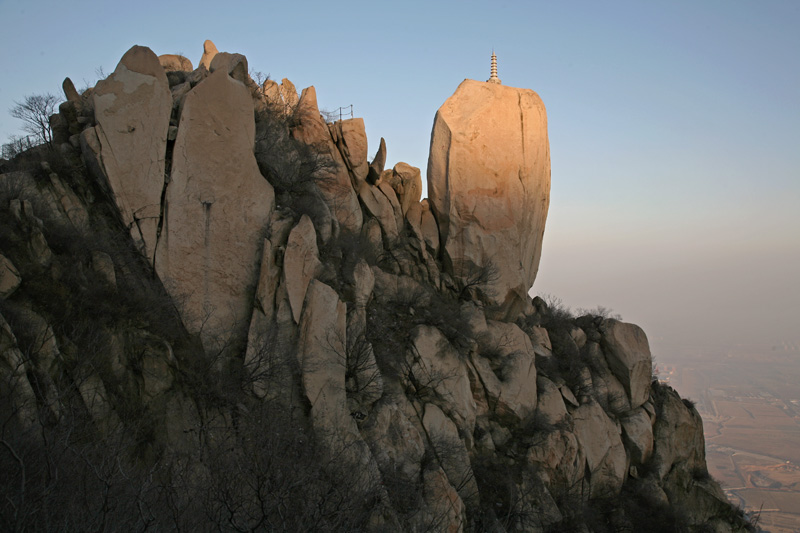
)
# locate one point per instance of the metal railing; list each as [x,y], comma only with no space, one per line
[338,114]
[17,145]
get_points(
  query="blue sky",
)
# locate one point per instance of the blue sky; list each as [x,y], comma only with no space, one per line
[674,126]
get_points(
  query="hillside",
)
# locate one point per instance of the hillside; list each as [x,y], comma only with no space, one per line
[218,314]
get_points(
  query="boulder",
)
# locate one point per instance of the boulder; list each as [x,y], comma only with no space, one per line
[209,51]
[334,183]
[351,139]
[132,109]
[550,406]
[628,354]
[378,163]
[217,210]
[508,371]
[407,184]
[677,436]
[380,206]
[605,454]
[430,229]
[637,434]
[439,375]
[43,358]
[17,390]
[607,389]
[9,277]
[391,196]
[541,341]
[289,95]
[560,456]
[70,93]
[395,442]
[321,357]
[66,201]
[451,452]
[272,93]
[175,62]
[442,508]
[489,186]
[234,64]
[579,336]
[365,383]
[300,263]
[35,244]
[259,356]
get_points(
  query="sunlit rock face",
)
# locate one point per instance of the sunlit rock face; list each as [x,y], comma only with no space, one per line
[489,187]
[132,109]
[217,208]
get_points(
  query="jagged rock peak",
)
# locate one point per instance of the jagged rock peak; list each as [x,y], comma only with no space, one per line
[209,51]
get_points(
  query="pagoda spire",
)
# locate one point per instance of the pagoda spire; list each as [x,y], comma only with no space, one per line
[493,74]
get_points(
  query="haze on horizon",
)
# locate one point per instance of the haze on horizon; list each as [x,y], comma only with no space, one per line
[674,128]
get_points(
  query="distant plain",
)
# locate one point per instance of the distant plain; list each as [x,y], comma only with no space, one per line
[749,399]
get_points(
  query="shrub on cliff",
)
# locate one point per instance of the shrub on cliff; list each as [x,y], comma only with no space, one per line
[290,166]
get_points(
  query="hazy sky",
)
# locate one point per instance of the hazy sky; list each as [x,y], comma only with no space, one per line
[674,126]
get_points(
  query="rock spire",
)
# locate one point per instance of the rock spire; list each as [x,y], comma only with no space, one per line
[489,188]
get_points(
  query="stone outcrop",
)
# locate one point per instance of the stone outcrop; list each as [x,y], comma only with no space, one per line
[452,452]
[628,354]
[378,163]
[216,212]
[334,182]
[209,51]
[132,108]
[637,430]
[507,370]
[350,138]
[70,92]
[605,454]
[346,357]
[234,64]
[437,371]
[407,184]
[489,187]
[301,261]
[9,277]
[174,62]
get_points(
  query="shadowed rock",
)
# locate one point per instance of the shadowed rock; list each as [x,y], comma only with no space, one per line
[334,183]
[628,355]
[70,92]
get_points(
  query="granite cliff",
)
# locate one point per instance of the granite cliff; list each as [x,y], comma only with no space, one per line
[217,313]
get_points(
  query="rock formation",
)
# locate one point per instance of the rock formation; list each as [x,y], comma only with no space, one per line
[216,313]
[132,108]
[209,51]
[216,211]
[489,187]
[172,62]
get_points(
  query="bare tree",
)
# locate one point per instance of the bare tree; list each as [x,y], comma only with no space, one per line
[473,279]
[34,111]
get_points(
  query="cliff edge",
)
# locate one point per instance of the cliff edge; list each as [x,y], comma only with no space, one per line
[217,314]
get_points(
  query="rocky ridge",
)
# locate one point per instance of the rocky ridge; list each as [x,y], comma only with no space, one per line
[274,332]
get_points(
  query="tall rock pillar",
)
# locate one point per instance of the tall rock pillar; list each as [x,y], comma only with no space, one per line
[489,188]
